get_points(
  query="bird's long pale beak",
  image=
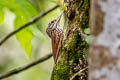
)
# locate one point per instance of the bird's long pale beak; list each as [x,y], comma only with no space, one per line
[58,19]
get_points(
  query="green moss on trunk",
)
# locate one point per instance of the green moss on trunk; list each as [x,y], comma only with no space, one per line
[74,49]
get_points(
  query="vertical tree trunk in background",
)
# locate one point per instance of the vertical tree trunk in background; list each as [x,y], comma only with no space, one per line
[72,62]
[104,57]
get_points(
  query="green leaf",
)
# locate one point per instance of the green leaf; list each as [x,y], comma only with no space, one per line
[25,40]
[87,31]
[27,8]
[24,11]
[24,36]
[87,39]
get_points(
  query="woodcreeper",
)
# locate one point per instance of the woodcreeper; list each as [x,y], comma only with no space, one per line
[56,33]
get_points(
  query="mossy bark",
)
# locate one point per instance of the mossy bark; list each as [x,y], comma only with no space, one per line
[74,49]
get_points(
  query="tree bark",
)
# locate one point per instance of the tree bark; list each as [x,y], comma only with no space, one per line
[104,53]
[72,62]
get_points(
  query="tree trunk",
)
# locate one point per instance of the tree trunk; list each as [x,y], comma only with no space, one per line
[72,62]
[104,58]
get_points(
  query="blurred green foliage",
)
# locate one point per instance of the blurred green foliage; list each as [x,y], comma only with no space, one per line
[1,15]
[31,38]
[87,31]
[24,10]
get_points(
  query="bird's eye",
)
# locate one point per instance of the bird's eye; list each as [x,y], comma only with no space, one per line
[53,21]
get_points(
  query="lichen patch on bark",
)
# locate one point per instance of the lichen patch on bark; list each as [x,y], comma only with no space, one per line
[104,52]
[109,36]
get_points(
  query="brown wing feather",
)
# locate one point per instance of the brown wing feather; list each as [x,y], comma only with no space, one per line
[53,47]
[56,44]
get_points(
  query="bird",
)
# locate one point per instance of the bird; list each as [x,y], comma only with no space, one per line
[56,33]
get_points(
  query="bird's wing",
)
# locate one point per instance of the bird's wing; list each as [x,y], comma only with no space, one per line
[56,44]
